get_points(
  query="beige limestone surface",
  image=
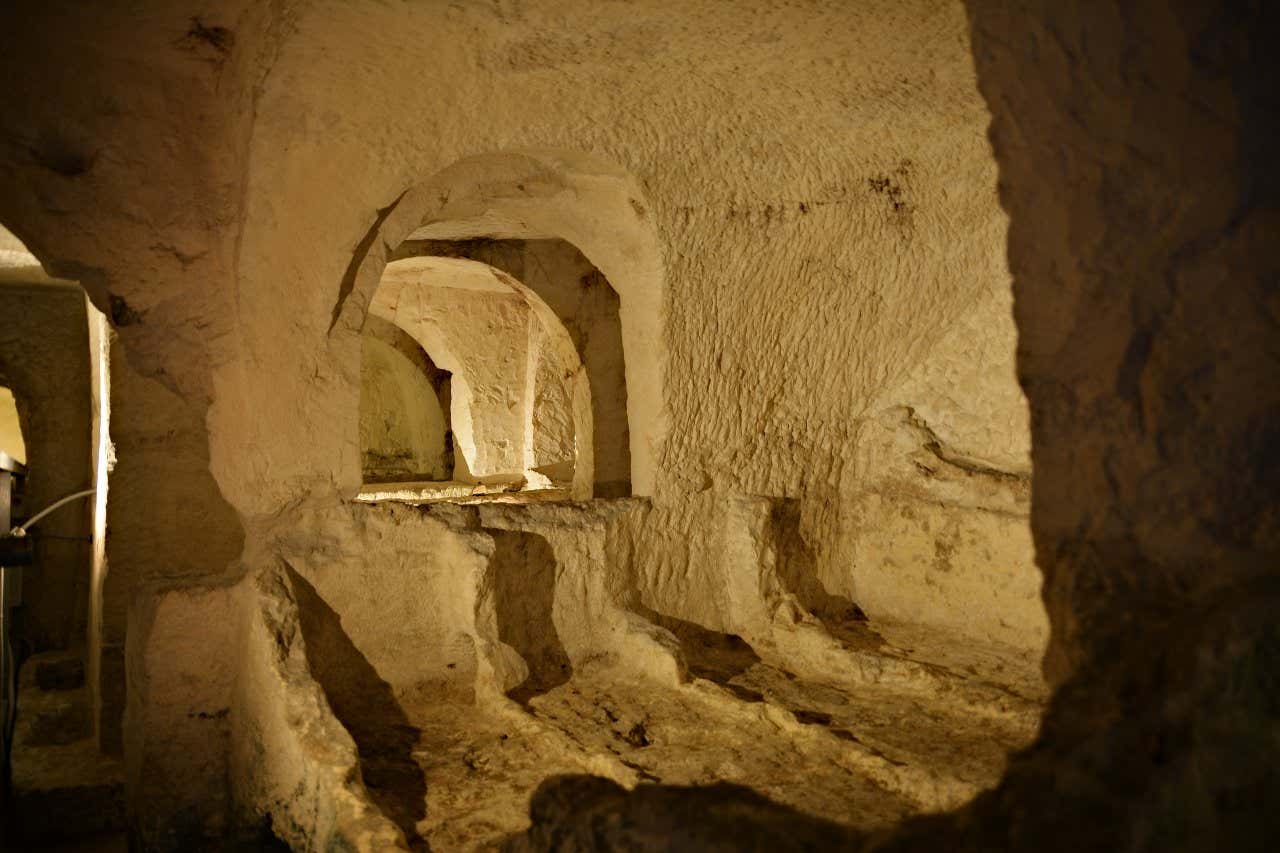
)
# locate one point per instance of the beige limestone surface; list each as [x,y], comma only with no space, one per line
[451,763]
[587,305]
[796,211]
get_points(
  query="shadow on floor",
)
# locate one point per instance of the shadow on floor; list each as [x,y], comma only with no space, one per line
[365,705]
[797,569]
[721,658]
[524,573]
[262,841]
[715,656]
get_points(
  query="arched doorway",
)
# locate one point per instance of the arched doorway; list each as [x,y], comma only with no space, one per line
[54,417]
[518,399]
[500,205]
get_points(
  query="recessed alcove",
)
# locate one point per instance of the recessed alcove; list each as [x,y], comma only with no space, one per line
[471,389]
[587,306]
[405,411]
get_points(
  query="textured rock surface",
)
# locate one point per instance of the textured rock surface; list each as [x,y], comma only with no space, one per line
[797,211]
[1153,419]
[514,604]
[292,759]
[779,271]
[60,784]
[11,441]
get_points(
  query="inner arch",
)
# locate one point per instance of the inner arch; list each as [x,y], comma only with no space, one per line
[516,375]
[535,194]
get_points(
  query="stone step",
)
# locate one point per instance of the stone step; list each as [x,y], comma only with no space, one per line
[61,786]
[64,791]
[54,707]
[54,671]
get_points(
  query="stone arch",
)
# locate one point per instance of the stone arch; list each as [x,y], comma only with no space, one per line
[537,193]
[437,347]
[397,300]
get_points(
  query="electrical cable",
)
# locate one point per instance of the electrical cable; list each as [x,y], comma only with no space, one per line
[21,529]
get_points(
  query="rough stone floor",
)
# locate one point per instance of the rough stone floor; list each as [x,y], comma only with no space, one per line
[61,784]
[459,777]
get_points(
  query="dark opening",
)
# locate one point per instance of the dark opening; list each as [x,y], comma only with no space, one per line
[524,571]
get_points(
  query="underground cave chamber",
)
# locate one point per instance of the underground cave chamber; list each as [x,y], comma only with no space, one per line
[494,602]
[556,425]
[515,615]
